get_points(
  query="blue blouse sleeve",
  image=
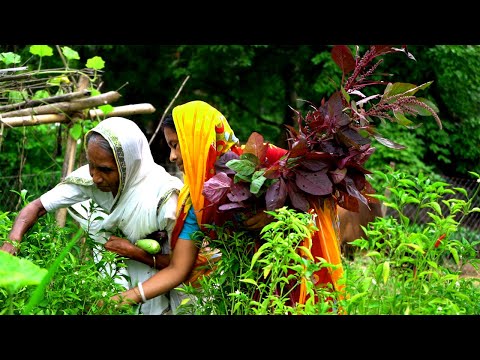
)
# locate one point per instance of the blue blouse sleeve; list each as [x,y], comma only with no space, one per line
[190,225]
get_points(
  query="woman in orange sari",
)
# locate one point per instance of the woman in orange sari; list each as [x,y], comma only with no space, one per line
[198,135]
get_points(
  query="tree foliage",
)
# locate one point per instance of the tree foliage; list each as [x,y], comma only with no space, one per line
[257,86]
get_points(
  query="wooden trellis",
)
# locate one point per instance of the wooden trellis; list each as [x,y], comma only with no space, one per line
[68,108]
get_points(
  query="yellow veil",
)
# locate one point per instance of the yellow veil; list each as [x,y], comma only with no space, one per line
[204,135]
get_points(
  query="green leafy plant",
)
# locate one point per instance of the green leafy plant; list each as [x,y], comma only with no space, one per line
[403,266]
[413,268]
[55,272]
[259,276]
[16,273]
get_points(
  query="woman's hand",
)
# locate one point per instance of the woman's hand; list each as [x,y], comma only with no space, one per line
[9,247]
[120,246]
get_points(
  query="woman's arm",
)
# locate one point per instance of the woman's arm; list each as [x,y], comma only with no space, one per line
[177,271]
[123,247]
[26,218]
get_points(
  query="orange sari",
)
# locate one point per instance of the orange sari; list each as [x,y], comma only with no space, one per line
[324,242]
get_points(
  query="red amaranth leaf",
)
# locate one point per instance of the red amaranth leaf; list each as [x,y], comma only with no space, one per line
[275,171]
[297,197]
[231,206]
[217,186]
[388,143]
[338,175]
[314,165]
[335,117]
[239,192]
[220,164]
[382,49]
[343,57]
[256,146]
[353,191]
[299,147]
[315,183]
[276,195]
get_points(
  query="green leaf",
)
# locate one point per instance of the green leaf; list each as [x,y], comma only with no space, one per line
[76,131]
[421,110]
[95,63]
[16,273]
[70,54]
[386,271]
[257,181]
[402,120]
[250,157]
[41,50]
[15,96]
[106,108]
[10,58]
[266,270]
[249,281]
[239,177]
[242,167]
[58,80]
[357,296]
[404,89]
[436,206]
[94,92]
[40,94]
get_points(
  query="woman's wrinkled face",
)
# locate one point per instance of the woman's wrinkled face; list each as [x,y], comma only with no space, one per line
[103,168]
[175,152]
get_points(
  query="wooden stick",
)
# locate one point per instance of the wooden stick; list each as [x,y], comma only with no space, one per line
[67,107]
[71,149]
[166,110]
[49,100]
[31,120]
[124,111]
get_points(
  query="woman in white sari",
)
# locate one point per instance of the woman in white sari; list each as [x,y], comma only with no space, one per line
[120,189]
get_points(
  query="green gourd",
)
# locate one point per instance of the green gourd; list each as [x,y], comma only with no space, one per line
[149,245]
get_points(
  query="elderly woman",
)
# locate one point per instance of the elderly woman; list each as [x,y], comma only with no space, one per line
[120,191]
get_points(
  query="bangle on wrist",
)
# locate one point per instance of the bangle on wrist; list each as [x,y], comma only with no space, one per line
[154,262]
[137,292]
[142,293]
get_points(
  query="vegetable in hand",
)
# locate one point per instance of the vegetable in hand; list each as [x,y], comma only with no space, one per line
[149,245]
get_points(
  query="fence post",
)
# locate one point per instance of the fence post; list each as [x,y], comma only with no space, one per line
[71,149]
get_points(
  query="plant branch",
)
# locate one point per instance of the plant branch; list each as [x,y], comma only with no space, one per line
[167,109]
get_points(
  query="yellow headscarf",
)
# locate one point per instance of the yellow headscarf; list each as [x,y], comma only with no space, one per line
[204,135]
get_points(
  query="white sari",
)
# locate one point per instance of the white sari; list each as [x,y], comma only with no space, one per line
[145,202]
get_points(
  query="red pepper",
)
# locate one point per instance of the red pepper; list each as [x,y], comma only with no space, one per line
[439,240]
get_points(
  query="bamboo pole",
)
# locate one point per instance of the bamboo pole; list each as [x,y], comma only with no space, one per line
[49,100]
[31,120]
[71,149]
[66,106]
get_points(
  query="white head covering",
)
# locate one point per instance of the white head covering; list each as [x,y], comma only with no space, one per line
[142,183]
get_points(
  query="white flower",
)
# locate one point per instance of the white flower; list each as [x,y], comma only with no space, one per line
[83,281]
[374,282]
[439,309]
[104,294]
[75,273]
[457,284]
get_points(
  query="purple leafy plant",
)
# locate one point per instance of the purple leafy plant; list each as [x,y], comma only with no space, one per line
[327,153]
